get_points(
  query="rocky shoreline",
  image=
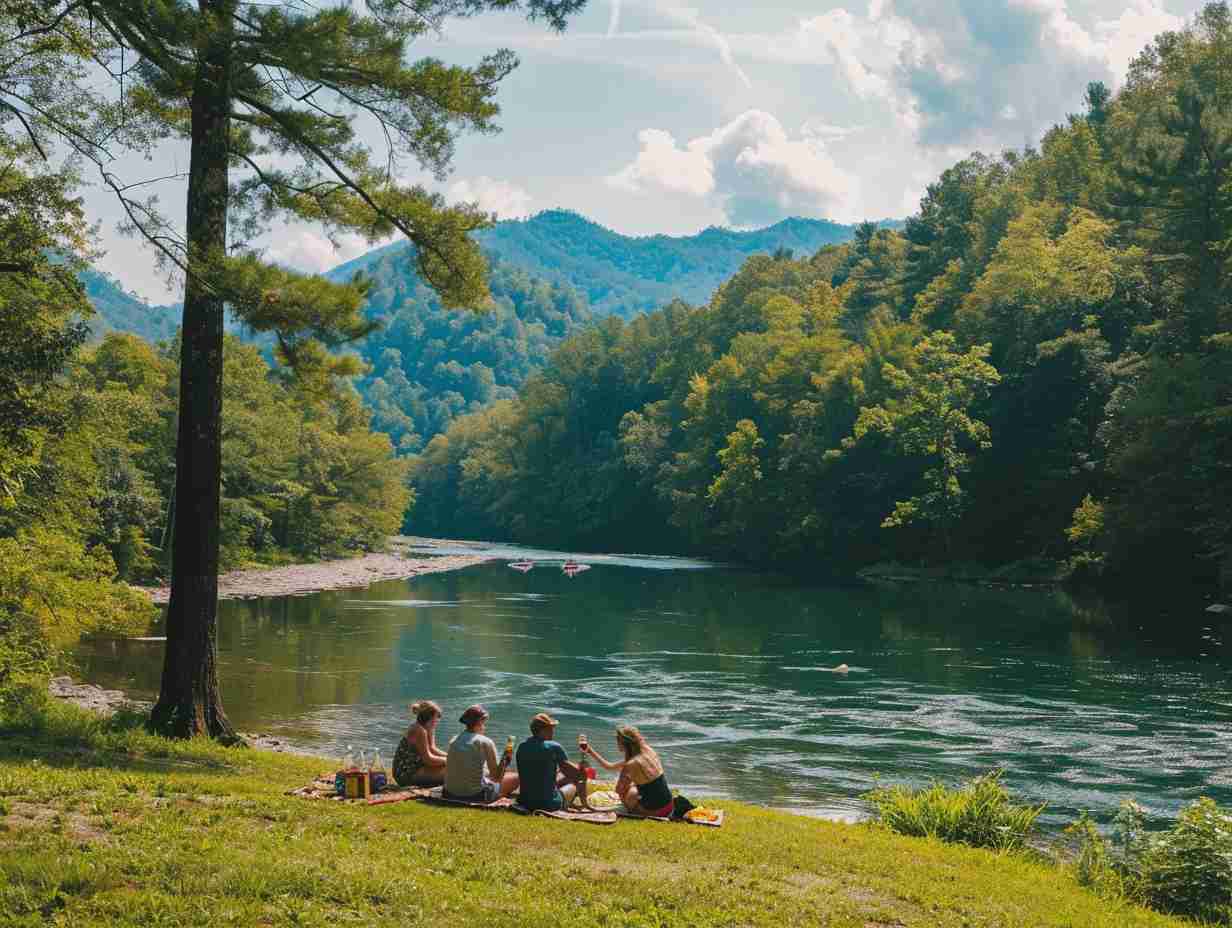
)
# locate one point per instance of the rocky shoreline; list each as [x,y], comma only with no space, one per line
[349,573]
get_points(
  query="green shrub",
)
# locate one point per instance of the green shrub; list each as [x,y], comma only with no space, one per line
[1188,870]
[980,813]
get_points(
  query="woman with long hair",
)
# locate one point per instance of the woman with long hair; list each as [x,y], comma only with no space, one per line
[418,761]
[642,785]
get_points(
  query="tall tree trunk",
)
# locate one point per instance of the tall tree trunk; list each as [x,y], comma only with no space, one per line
[189,702]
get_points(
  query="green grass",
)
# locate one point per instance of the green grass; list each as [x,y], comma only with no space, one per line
[103,825]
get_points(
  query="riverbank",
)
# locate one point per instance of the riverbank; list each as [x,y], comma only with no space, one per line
[104,824]
[347,573]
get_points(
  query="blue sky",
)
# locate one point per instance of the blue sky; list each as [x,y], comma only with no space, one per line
[660,116]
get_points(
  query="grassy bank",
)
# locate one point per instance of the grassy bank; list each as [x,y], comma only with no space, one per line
[106,825]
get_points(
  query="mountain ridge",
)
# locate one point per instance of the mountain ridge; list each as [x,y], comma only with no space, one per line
[618,274]
[626,275]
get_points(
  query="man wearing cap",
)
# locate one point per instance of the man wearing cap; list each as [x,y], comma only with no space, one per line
[539,760]
[470,760]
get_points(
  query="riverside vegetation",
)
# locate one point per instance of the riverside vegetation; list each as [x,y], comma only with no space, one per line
[98,821]
[1037,365]
[1037,368]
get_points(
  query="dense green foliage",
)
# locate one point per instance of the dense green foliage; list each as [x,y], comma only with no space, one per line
[625,275]
[1185,869]
[1038,366]
[87,439]
[428,364]
[979,813]
[303,474]
[56,579]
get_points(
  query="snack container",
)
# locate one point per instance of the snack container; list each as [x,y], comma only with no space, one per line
[357,783]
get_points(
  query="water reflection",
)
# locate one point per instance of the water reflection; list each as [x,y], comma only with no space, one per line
[724,669]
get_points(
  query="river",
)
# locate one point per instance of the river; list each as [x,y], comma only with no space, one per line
[725,670]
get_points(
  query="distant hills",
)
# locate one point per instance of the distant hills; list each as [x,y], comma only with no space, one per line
[626,275]
[120,311]
[549,274]
[616,274]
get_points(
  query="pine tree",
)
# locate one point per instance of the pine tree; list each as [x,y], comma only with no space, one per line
[275,102]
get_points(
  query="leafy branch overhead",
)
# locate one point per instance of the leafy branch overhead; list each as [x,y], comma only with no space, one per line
[308,89]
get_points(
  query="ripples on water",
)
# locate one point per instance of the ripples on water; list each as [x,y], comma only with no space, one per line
[724,671]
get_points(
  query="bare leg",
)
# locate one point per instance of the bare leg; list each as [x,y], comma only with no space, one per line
[429,775]
[509,784]
[632,799]
[581,787]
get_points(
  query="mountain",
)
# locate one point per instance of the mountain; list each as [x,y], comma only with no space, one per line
[120,311]
[549,275]
[429,365]
[627,275]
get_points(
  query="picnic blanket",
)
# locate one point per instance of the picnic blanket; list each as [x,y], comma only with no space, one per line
[717,823]
[608,800]
[323,788]
[437,795]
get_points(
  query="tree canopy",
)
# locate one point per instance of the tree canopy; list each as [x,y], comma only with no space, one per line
[1036,366]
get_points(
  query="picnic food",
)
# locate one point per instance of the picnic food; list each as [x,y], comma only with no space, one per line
[702,814]
[603,799]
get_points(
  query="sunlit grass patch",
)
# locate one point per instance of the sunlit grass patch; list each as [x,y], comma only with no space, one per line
[180,834]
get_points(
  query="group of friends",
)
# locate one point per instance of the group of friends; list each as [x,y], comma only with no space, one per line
[470,769]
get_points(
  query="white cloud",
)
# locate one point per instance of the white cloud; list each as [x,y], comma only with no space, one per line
[304,249]
[660,164]
[751,169]
[508,201]
[852,44]
[1121,39]
[690,17]
[613,22]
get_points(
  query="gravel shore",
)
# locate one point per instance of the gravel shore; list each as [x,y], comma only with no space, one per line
[302,579]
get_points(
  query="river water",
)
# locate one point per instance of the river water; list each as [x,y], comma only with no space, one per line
[726,672]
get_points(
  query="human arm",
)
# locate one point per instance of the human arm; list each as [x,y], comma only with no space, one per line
[426,746]
[619,765]
[496,768]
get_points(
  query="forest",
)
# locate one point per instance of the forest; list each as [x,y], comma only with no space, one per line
[425,365]
[1036,369]
[87,450]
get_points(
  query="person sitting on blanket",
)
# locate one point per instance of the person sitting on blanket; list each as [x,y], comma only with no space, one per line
[418,761]
[472,757]
[642,785]
[549,780]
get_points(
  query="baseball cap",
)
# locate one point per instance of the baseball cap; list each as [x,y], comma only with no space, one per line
[475,713]
[541,721]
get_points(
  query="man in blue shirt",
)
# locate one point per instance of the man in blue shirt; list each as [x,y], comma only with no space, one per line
[539,760]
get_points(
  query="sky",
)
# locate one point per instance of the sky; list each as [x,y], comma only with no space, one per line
[657,116]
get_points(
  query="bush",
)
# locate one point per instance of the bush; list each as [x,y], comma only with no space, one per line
[980,813]
[54,590]
[1186,870]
